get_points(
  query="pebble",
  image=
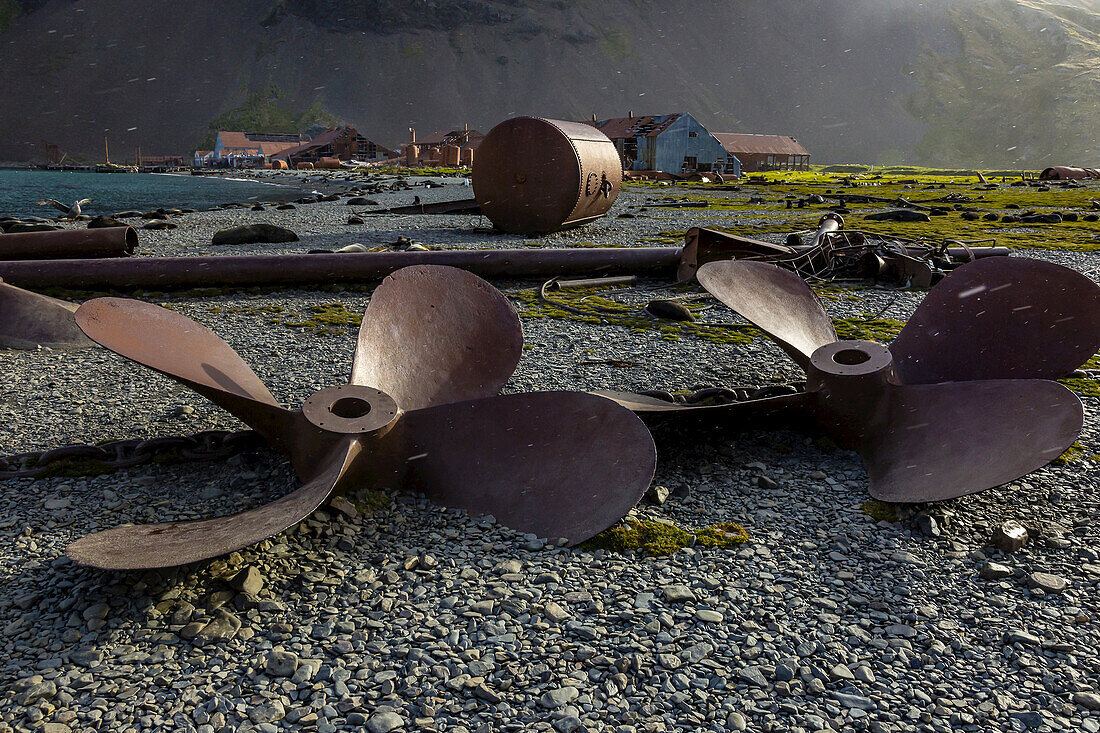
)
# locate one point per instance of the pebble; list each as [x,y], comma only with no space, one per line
[995,571]
[1046,582]
[1010,536]
[281,663]
[678,594]
[553,699]
[384,722]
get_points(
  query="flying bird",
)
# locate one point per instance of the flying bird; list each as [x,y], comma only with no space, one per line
[71,212]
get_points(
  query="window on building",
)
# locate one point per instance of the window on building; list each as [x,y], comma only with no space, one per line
[690,162]
[693,134]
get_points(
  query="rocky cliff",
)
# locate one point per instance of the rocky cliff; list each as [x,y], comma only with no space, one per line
[944,82]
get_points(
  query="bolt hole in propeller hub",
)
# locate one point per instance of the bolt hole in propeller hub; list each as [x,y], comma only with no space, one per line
[351,409]
[852,358]
[436,345]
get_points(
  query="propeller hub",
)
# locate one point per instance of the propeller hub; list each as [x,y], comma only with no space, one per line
[852,358]
[848,379]
[351,409]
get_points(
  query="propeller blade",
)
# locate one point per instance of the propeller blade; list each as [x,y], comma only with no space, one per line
[29,320]
[1001,318]
[190,353]
[556,464]
[778,301]
[141,547]
[941,441]
[434,335]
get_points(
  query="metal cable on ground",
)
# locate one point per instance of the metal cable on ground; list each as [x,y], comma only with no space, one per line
[209,445]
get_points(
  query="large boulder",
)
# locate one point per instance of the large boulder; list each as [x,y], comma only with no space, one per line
[261,232]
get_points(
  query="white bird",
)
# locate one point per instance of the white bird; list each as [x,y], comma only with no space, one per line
[71,212]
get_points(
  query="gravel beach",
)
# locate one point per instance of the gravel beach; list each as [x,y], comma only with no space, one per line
[412,617]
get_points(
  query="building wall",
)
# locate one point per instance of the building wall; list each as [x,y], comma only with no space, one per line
[684,138]
[754,162]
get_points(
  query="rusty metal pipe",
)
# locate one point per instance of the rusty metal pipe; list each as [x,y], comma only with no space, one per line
[165,273]
[69,244]
[593,282]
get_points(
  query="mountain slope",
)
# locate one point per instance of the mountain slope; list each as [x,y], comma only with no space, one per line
[852,79]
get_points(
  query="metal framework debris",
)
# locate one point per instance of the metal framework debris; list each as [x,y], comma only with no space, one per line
[960,401]
[835,253]
[420,410]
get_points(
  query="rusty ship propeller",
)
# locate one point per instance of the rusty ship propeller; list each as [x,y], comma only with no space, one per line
[420,411]
[959,402]
[29,320]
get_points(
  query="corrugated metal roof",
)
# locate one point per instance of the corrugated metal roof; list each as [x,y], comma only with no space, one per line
[646,126]
[323,139]
[462,138]
[751,143]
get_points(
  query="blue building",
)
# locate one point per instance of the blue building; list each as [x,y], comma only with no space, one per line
[674,143]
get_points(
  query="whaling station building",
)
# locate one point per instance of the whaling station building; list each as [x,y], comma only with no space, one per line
[253,149]
[340,143]
[677,143]
[448,148]
[765,152]
[674,143]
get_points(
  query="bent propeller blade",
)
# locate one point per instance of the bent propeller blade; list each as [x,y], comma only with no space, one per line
[146,546]
[776,300]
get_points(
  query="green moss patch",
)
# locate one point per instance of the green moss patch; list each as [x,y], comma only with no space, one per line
[661,538]
[328,318]
[583,306]
[368,501]
[881,511]
[882,330]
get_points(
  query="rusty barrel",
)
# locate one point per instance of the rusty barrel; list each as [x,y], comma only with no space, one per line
[69,244]
[533,175]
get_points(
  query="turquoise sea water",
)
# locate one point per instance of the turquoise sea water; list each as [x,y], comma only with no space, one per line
[20,190]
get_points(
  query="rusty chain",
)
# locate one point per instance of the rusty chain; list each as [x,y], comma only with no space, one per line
[210,445]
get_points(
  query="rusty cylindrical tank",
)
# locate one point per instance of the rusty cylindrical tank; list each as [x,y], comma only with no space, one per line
[412,155]
[69,244]
[306,166]
[451,155]
[1068,173]
[279,165]
[330,164]
[533,175]
[467,157]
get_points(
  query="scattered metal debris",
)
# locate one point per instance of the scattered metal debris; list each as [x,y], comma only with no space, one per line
[849,254]
[69,244]
[29,320]
[435,347]
[533,175]
[958,403]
